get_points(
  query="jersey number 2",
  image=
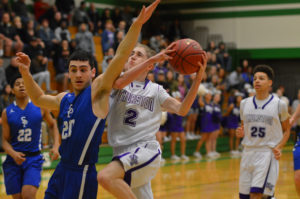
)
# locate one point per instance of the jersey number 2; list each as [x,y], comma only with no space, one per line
[130,116]
[67,130]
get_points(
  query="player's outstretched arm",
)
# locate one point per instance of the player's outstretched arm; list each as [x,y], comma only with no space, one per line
[54,154]
[35,93]
[102,85]
[136,71]
[18,157]
[295,116]
[174,106]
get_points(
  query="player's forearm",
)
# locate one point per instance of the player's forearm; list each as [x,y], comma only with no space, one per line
[189,99]
[7,147]
[286,136]
[132,74]
[56,137]
[124,50]
[32,88]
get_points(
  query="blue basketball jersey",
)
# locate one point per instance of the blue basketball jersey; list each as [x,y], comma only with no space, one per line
[80,129]
[25,127]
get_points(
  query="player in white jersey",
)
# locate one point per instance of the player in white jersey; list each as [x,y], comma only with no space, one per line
[265,130]
[133,121]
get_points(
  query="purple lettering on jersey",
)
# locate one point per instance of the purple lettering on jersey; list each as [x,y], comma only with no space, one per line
[145,102]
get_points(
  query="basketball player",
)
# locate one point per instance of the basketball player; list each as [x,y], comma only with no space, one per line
[296,151]
[81,114]
[133,121]
[265,130]
[21,123]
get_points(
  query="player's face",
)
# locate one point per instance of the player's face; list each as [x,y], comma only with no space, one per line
[261,82]
[138,55]
[81,74]
[19,89]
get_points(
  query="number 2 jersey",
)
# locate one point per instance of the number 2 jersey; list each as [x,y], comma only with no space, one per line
[262,121]
[135,113]
[25,127]
[80,129]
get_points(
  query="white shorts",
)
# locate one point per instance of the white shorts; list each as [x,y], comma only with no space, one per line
[141,162]
[258,171]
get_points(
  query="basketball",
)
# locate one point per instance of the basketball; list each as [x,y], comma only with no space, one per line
[187,54]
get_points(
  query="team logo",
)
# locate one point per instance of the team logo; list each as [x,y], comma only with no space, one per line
[133,159]
[24,121]
[11,111]
[70,111]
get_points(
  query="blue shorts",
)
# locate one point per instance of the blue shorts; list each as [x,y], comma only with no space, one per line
[73,182]
[28,173]
[296,156]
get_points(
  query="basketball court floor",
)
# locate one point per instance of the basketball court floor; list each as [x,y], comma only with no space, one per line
[197,179]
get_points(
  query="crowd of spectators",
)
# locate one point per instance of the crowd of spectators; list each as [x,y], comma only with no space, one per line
[44,35]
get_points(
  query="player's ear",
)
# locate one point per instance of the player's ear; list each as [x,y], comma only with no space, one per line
[270,82]
[93,72]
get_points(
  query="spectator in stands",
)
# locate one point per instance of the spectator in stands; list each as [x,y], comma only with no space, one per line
[61,66]
[121,27]
[224,58]
[295,104]
[280,95]
[11,70]
[118,38]
[222,79]
[212,48]
[117,16]
[171,81]
[105,17]
[21,10]
[48,37]
[40,72]
[245,65]
[29,32]
[3,81]
[17,23]
[6,7]
[8,34]
[35,45]
[127,15]
[108,36]
[107,58]
[150,76]
[56,20]
[84,39]
[40,8]
[1,47]
[62,32]
[80,15]
[248,75]
[95,21]
[160,66]
[157,42]
[235,79]
[6,98]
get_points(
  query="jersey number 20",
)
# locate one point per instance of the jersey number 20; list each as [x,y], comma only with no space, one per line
[67,130]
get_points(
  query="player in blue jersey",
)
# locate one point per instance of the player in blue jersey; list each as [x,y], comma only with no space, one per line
[21,123]
[81,114]
[296,151]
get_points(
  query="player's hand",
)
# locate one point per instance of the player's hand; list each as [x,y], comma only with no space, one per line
[202,67]
[19,157]
[292,121]
[23,62]
[277,153]
[163,55]
[54,153]
[240,132]
[146,13]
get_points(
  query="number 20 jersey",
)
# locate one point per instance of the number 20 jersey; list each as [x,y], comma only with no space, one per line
[80,129]
[25,127]
[135,113]
[262,121]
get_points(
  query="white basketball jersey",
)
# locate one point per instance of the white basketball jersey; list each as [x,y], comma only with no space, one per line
[135,113]
[262,121]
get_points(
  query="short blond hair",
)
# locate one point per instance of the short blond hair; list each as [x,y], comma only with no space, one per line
[149,52]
